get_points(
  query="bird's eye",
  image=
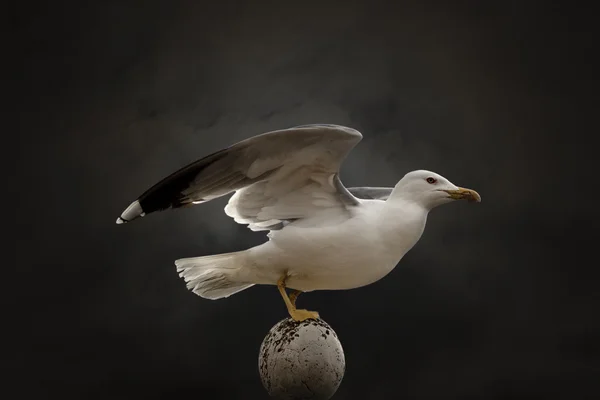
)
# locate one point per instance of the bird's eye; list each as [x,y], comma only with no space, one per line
[431,180]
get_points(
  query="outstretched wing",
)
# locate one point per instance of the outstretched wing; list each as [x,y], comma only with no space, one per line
[279,176]
[371,193]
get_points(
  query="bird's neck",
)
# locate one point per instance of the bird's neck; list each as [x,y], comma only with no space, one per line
[402,223]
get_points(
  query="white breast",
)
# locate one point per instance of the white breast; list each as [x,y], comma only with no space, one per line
[341,254]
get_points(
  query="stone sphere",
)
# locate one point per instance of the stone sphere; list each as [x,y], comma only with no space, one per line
[301,360]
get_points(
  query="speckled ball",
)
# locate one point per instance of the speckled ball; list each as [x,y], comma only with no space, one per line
[301,360]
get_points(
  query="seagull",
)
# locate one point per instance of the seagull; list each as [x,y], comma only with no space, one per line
[321,235]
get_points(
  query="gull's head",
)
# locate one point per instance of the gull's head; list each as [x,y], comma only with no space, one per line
[431,190]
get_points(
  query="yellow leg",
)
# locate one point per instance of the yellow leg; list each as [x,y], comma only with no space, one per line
[294,295]
[297,315]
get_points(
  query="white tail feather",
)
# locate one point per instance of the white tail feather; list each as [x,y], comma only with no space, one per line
[211,277]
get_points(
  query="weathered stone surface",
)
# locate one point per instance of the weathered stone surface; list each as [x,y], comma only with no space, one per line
[301,360]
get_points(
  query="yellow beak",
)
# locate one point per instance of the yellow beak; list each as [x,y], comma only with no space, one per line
[462,193]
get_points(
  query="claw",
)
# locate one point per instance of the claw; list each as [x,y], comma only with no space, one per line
[290,303]
[301,315]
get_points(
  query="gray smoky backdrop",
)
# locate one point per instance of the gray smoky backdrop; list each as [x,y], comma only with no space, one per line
[496,301]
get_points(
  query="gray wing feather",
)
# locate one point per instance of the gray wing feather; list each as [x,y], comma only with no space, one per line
[371,193]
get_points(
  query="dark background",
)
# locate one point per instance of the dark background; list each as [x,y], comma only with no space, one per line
[496,301]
